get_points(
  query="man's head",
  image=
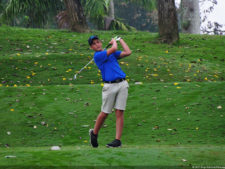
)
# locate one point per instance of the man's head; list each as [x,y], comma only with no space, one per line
[95,43]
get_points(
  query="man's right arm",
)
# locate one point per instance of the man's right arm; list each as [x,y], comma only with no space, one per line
[113,48]
[126,50]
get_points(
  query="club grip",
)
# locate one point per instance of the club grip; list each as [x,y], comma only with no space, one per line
[108,46]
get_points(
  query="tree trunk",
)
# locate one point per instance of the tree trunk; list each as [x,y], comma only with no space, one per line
[76,16]
[62,20]
[111,15]
[111,9]
[168,24]
[190,16]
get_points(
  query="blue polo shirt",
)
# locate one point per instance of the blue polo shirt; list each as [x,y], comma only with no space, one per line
[108,65]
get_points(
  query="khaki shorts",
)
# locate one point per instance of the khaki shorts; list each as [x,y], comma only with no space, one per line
[114,95]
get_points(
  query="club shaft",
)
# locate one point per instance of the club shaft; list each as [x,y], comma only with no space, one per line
[89,63]
[85,66]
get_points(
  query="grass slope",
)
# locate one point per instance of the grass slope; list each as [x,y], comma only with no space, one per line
[27,54]
[177,114]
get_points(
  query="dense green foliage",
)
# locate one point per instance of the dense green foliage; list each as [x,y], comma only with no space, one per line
[175,117]
[31,13]
[42,13]
[97,10]
[137,15]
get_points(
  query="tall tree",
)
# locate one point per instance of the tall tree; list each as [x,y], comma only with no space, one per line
[168,23]
[111,15]
[76,16]
[190,16]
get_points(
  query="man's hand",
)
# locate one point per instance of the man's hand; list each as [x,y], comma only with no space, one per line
[112,41]
[113,48]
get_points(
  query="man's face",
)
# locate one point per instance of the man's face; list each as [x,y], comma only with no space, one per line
[96,45]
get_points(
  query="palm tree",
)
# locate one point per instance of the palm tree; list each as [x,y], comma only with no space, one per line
[37,11]
[100,12]
[76,16]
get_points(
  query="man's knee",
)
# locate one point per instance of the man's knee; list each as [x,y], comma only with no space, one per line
[104,115]
[119,113]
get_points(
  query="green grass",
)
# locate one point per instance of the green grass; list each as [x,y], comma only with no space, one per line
[151,156]
[33,52]
[65,109]
[177,113]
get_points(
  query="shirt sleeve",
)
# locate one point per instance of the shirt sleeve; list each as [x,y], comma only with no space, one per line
[117,54]
[101,57]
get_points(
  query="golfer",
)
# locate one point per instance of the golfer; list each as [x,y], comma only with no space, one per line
[115,89]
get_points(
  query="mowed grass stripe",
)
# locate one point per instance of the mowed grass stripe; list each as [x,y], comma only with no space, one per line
[157,156]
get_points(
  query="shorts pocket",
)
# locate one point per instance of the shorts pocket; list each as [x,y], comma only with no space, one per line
[127,84]
[105,87]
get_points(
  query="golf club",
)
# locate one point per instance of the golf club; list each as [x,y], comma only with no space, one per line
[75,76]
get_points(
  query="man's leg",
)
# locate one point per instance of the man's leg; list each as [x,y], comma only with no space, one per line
[94,132]
[119,129]
[100,120]
[120,106]
[119,123]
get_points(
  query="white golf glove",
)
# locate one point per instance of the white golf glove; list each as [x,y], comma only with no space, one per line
[117,38]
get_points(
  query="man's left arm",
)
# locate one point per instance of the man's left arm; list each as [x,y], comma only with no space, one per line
[126,50]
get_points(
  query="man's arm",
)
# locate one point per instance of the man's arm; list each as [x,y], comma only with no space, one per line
[126,50]
[113,48]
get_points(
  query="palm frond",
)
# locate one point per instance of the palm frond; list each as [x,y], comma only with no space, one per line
[96,10]
[35,9]
[119,25]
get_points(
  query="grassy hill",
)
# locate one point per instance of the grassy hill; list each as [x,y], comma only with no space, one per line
[175,117]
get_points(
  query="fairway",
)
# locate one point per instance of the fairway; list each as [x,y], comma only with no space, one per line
[162,156]
[175,109]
